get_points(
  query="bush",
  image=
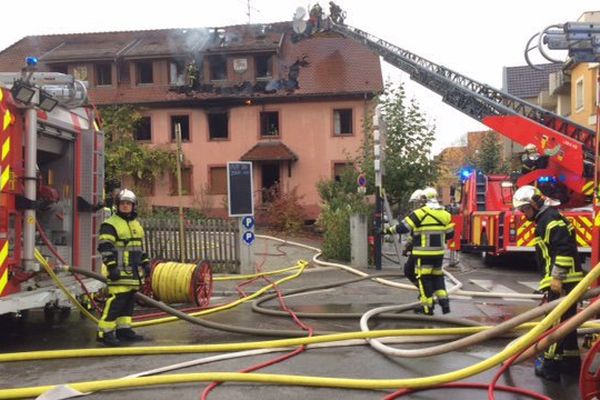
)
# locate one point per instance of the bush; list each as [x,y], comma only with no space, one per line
[284,211]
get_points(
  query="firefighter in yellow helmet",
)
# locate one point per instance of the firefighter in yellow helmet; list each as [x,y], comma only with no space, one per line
[430,226]
[121,247]
[556,252]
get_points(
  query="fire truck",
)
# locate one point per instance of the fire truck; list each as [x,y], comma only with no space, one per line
[485,221]
[51,186]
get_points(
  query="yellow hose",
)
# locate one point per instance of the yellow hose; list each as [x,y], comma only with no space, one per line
[171,282]
[250,276]
[434,380]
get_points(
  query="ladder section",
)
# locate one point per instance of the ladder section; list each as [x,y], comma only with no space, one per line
[467,95]
[480,191]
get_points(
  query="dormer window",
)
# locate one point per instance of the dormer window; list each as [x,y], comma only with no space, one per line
[144,72]
[264,66]
[104,74]
[218,68]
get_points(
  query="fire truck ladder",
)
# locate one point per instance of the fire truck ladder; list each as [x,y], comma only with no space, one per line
[467,95]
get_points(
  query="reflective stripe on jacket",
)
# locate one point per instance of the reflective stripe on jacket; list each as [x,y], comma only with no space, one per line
[430,229]
[556,247]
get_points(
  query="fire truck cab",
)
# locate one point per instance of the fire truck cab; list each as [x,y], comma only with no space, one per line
[51,185]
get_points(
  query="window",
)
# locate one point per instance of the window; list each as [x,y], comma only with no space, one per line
[176,72]
[104,74]
[269,123]
[264,66]
[184,123]
[186,182]
[144,72]
[218,180]
[80,72]
[144,187]
[218,125]
[342,121]
[63,69]
[339,169]
[579,94]
[124,72]
[218,68]
[143,130]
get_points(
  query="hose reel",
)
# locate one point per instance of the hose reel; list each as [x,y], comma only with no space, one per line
[589,379]
[173,282]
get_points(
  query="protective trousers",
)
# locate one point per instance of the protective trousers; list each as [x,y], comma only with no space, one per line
[567,349]
[430,279]
[409,270]
[117,310]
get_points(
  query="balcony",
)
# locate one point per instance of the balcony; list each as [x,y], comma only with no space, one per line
[559,83]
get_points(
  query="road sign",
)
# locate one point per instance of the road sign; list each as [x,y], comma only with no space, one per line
[361,180]
[248,222]
[248,237]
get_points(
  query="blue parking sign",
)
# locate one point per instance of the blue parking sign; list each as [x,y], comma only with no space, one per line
[248,237]
[248,222]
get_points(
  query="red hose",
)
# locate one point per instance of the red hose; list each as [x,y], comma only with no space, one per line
[480,386]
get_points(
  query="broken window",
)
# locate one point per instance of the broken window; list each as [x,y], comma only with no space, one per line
[339,169]
[177,72]
[186,182]
[104,74]
[342,121]
[123,70]
[62,68]
[143,130]
[269,123]
[80,72]
[264,66]
[144,72]
[184,123]
[218,68]
[218,180]
[218,125]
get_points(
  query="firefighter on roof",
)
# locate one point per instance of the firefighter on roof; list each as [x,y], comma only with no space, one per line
[556,252]
[430,226]
[121,241]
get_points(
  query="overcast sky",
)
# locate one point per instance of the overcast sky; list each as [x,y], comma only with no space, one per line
[474,38]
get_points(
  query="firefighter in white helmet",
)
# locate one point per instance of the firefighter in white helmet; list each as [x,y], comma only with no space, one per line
[416,200]
[121,247]
[556,253]
[532,160]
[430,226]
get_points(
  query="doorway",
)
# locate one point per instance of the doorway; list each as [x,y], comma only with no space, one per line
[269,180]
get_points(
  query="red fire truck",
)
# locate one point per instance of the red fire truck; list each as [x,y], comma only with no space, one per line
[51,183]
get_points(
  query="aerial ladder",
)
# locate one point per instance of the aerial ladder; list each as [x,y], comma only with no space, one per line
[518,120]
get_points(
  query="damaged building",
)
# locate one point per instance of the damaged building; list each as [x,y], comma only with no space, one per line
[248,92]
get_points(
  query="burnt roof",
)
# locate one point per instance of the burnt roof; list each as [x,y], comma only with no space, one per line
[526,82]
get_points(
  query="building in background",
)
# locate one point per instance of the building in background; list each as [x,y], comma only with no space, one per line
[295,108]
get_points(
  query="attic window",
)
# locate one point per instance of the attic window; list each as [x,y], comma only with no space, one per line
[104,74]
[264,66]
[144,72]
[176,72]
[218,68]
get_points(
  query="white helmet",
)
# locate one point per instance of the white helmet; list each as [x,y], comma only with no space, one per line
[416,196]
[533,196]
[430,193]
[126,195]
[531,148]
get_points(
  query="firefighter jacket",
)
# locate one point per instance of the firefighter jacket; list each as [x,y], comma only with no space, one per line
[556,248]
[121,248]
[430,228]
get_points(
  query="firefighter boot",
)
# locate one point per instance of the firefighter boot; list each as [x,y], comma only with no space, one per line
[421,310]
[445,304]
[547,369]
[128,335]
[109,339]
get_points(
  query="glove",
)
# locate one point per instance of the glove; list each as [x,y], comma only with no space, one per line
[146,268]
[556,285]
[114,274]
[388,230]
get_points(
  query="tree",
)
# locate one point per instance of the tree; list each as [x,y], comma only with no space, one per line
[488,159]
[124,157]
[408,139]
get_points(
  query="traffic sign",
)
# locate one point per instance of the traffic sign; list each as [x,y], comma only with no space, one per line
[361,180]
[248,222]
[248,237]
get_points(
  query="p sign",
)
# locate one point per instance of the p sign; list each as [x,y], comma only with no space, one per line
[248,237]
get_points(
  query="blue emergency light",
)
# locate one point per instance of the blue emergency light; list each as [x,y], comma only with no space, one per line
[465,173]
[546,179]
[31,61]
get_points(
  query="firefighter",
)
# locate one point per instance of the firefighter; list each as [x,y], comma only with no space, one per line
[430,226]
[532,160]
[121,248]
[316,14]
[556,253]
[416,200]
[192,73]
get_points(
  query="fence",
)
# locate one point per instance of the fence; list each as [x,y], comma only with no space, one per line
[212,239]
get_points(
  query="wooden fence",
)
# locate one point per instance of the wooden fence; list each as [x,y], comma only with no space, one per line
[212,239]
